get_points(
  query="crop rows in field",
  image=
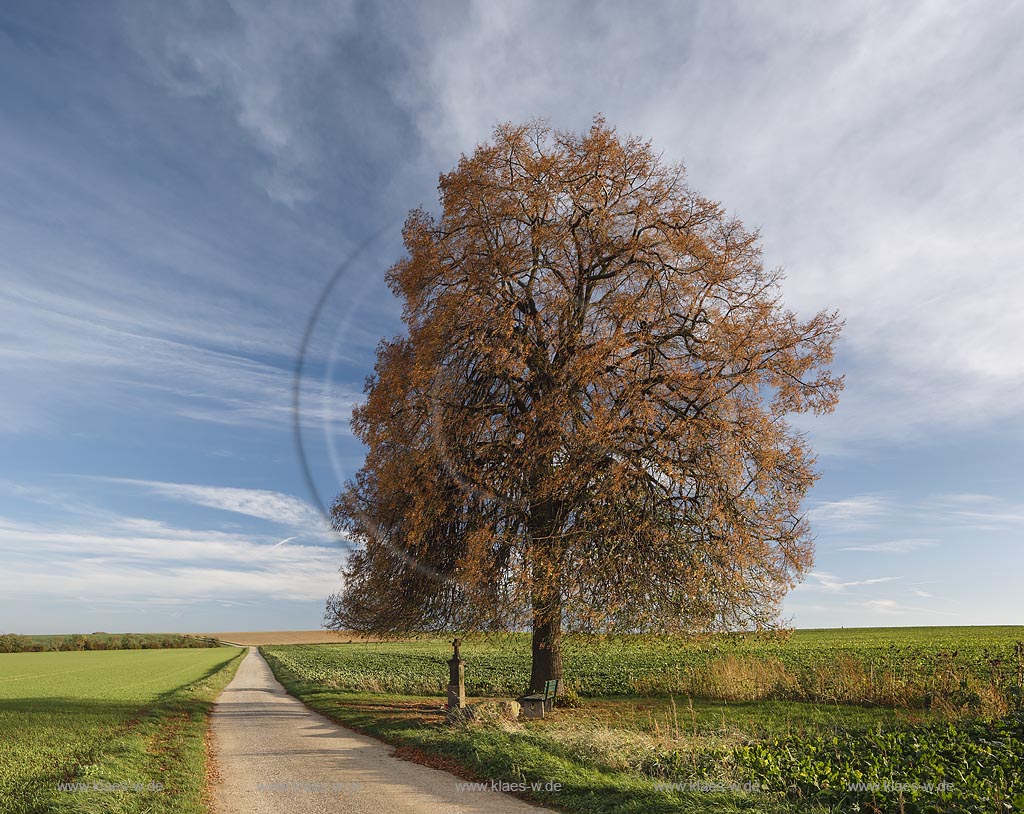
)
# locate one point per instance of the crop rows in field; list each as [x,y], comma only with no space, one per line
[973,668]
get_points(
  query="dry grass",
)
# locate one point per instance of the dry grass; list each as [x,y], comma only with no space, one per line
[289,637]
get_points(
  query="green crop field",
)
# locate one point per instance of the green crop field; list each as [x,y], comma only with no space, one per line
[107,720]
[906,667]
[869,720]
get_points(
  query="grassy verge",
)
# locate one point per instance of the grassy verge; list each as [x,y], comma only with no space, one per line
[153,761]
[593,771]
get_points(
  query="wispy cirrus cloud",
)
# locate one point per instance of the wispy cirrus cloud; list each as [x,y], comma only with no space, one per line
[935,513]
[262,504]
[259,59]
[830,583]
[847,514]
[63,348]
[892,546]
[980,511]
[112,557]
[132,559]
[894,607]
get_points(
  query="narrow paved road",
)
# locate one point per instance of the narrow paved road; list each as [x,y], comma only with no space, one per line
[276,756]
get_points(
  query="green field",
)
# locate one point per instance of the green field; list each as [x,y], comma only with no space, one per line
[904,667]
[103,719]
[803,718]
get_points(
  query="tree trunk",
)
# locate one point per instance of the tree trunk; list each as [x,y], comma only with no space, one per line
[547,636]
[546,587]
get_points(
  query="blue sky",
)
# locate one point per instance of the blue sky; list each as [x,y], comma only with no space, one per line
[178,185]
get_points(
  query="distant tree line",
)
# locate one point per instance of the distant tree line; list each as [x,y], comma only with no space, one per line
[15,643]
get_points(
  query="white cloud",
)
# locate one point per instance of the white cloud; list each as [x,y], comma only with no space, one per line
[131,559]
[255,57]
[857,512]
[263,504]
[936,513]
[892,546]
[76,350]
[825,582]
[933,514]
[892,607]
[977,511]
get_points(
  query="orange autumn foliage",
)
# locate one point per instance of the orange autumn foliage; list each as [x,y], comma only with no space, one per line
[584,424]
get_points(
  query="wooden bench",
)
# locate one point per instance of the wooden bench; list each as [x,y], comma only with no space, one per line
[536,704]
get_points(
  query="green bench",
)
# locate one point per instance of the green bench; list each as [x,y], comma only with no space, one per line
[536,704]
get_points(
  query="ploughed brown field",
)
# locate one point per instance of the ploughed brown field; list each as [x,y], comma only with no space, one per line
[289,637]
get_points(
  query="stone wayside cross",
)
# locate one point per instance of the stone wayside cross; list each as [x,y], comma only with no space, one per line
[456,679]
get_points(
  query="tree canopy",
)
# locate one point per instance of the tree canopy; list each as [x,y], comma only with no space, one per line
[584,424]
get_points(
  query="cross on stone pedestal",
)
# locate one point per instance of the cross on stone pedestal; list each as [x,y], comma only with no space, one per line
[456,678]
